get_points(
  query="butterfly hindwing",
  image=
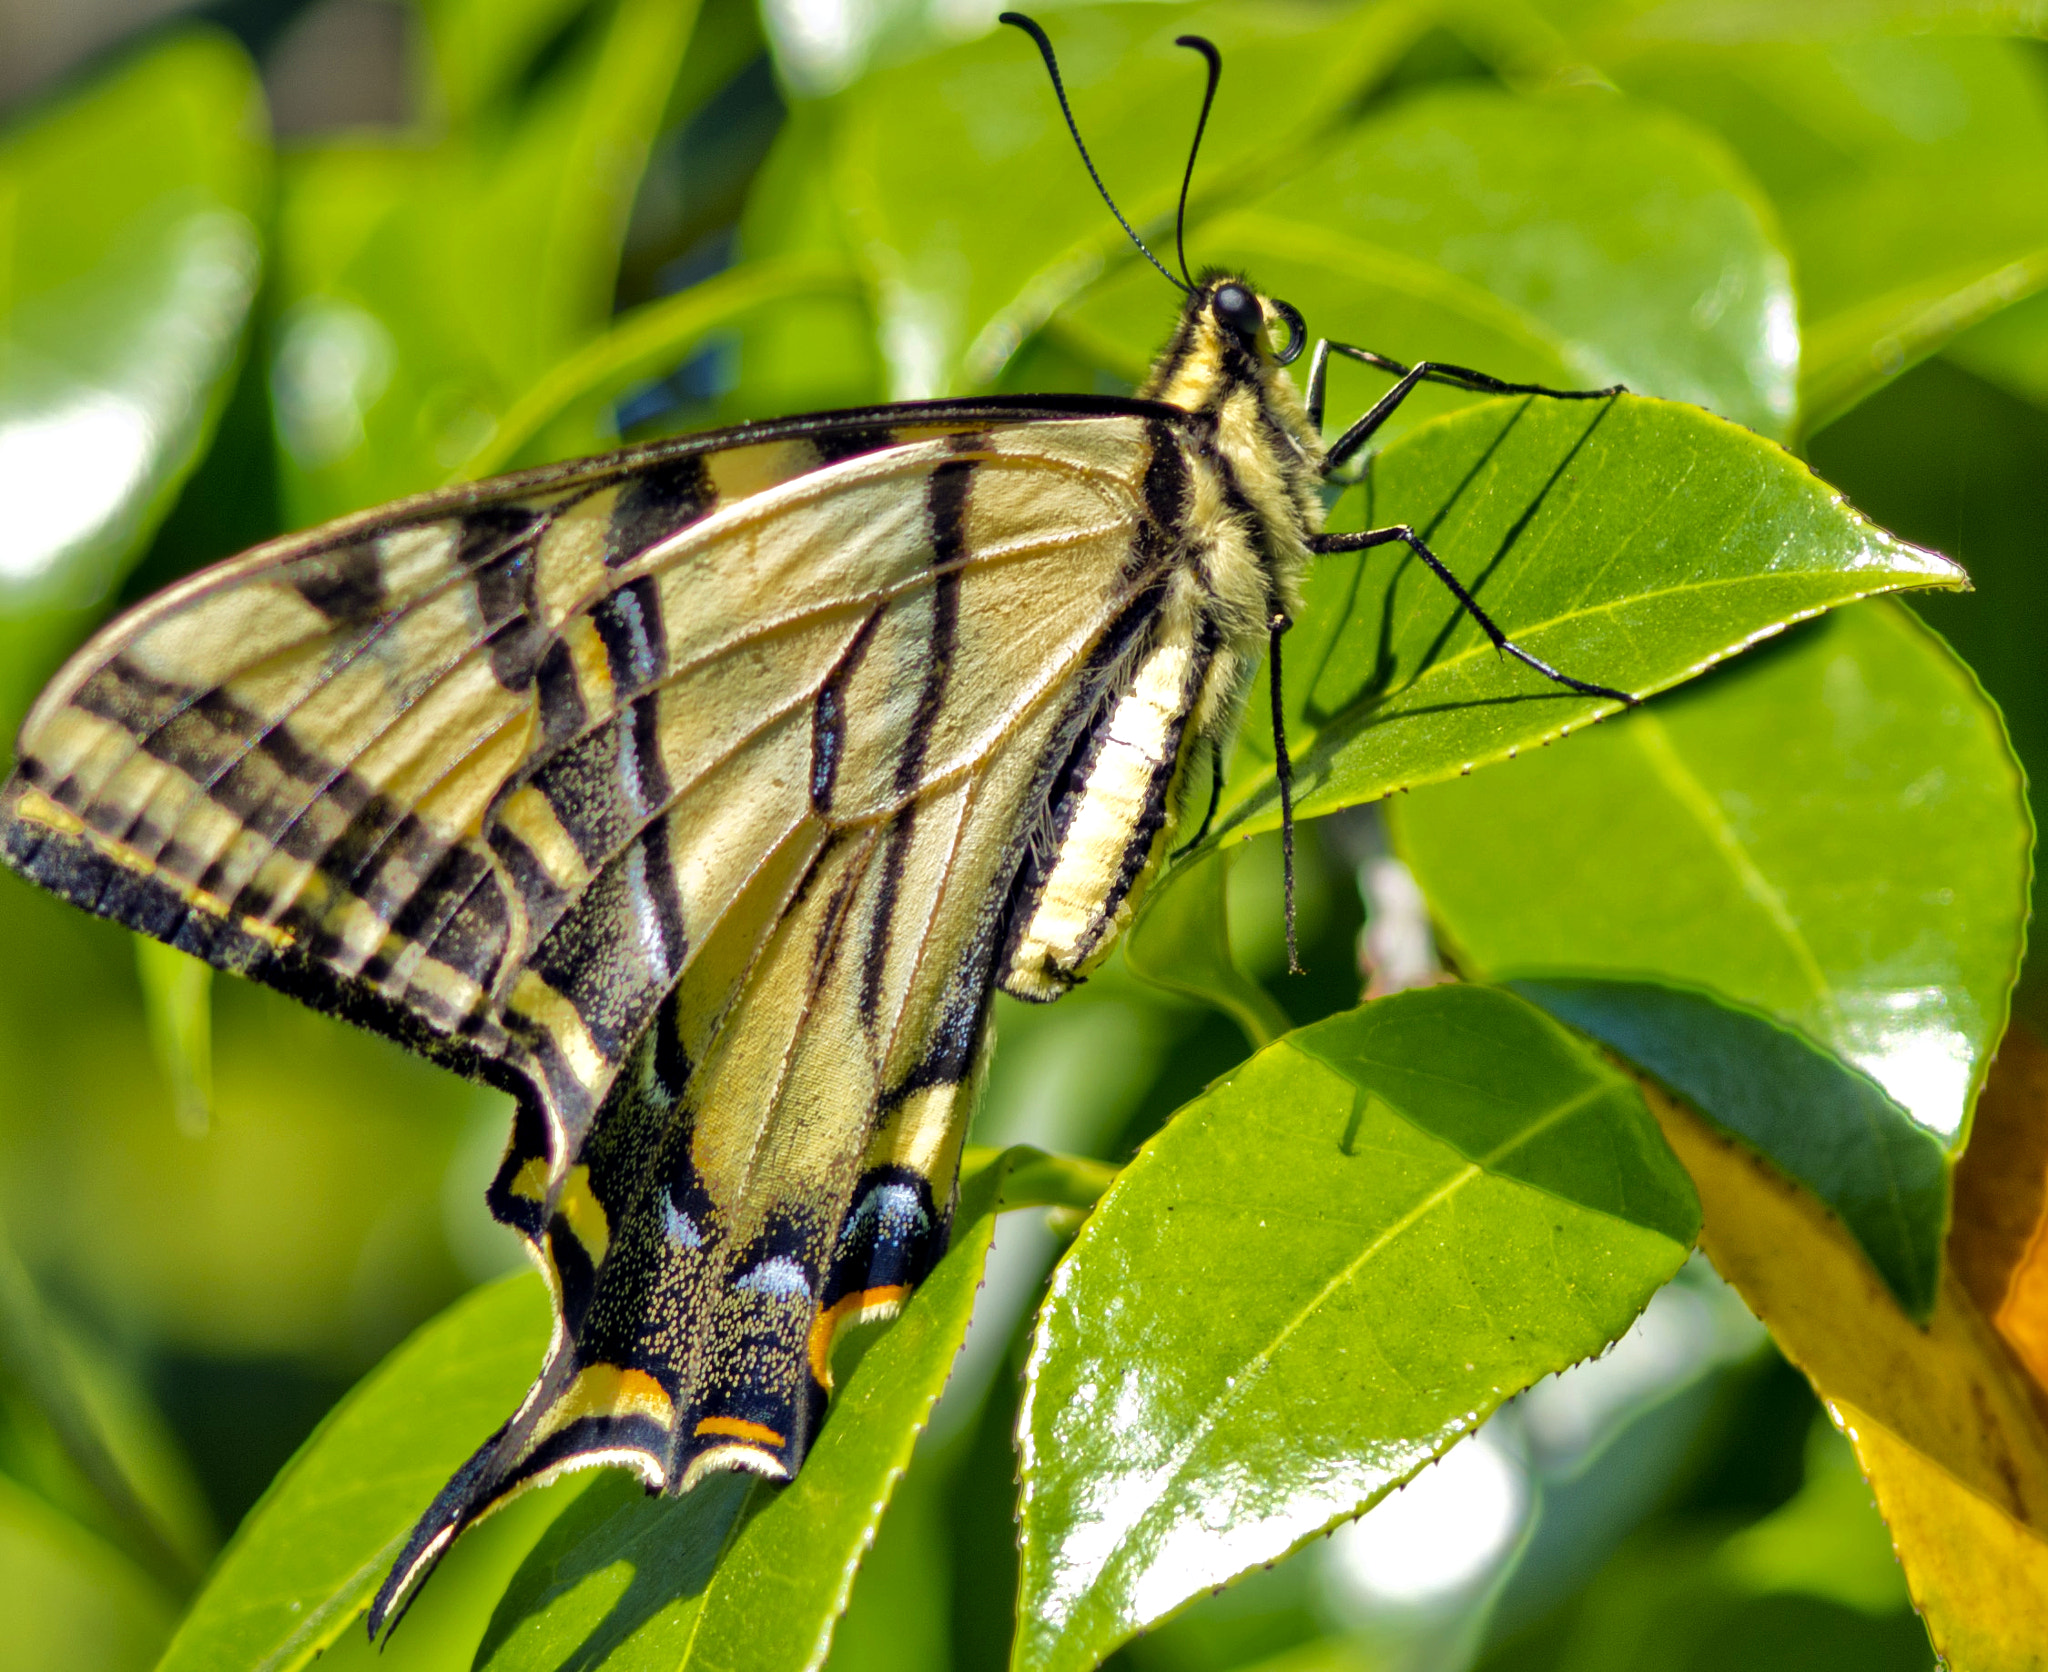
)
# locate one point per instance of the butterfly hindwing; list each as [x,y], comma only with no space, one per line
[779,1159]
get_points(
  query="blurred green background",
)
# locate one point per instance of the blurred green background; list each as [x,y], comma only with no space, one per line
[326,250]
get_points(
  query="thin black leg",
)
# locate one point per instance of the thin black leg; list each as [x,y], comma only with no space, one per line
[1283,770]
[1319,372]
[1325,544]
[1427,371]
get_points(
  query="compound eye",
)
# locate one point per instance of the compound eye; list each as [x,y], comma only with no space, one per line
[1238,309]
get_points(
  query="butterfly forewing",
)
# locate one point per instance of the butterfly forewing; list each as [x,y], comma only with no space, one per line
[682,794]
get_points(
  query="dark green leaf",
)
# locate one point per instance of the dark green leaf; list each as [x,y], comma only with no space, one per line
[1630,543]
[1320,1274]
[131,258]
[736,1575]
[1834,834]
[311,1553]
[1829,1126]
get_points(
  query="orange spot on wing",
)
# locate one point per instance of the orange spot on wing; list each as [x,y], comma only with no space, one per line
[739,1428]
[847,1309]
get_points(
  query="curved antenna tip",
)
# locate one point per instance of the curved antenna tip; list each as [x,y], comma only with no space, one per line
[1017,20]
[1207,48]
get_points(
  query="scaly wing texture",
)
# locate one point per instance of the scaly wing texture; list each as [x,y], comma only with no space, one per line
[683,798]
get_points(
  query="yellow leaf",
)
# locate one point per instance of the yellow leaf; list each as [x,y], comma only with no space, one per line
[1945,1420]
[1999,1246]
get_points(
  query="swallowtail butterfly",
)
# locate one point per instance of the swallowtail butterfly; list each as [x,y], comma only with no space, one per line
[701,796]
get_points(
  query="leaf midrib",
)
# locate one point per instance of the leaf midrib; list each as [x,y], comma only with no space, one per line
[1248,1372]
[1654,742]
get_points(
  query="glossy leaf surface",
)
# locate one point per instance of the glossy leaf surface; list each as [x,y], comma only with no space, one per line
[1828,1126]
[131,255]
[1631,543]
[1833,833]
[1320,1274]
[306,1561]
[1543,240]
[738,1575]
[1910,176]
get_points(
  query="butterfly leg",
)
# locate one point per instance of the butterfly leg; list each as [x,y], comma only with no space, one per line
[1326,544]
[1410,378]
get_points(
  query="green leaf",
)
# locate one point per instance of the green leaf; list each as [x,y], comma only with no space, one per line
[735,1574]
[1910,176]
[68,1599]
[1322,1272]
[1833,833]
[1827,1125]
[2010,349]
[652,339]
[426,289]
[309,1556]
[974,215]
[1181,941]
[1938,453]
[128,257]
[1632,543]
[1580,241]
[81,1434]
[177,997]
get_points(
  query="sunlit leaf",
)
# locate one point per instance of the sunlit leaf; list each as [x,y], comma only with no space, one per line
[654,338]
[426,289]
[1630,543]
[1577,241]
[2010,349]
[925,151]
[1833,833]
[1910,175]
[1318,1276]
[128,257]
[1942,456]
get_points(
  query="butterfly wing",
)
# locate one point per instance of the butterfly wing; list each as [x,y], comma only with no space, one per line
[684,796]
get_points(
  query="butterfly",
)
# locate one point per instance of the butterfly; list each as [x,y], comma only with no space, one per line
[701,796]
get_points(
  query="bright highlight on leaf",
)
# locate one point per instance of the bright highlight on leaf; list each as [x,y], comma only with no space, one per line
[1317,1277]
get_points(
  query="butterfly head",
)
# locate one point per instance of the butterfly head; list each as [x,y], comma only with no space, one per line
[1250,320]
[1232,336]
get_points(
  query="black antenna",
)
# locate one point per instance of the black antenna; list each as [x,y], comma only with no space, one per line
[1207,48]
[1020,21]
